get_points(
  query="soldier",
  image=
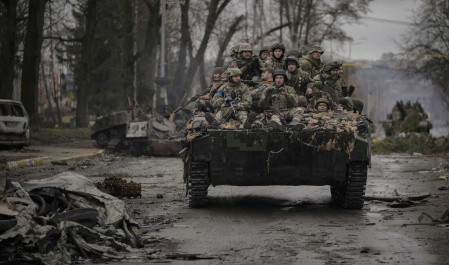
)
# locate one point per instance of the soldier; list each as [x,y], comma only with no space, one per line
[203,102]
[248,64]
[280,102]
[318,97]
[322,105]
[232,99]
[267,81]
[277,61]
[326,80]
[263,54]
[343,91]
[311,63]
[297,78]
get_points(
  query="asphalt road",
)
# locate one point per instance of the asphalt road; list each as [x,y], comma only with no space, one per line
[280,225]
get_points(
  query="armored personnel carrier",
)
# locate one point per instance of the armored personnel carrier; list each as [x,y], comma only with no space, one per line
[330,148]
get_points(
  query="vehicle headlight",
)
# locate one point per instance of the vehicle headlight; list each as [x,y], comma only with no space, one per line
[362,127]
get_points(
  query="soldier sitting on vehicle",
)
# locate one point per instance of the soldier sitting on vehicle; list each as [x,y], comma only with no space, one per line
[267,81]
[280,102]
[297,78]
[248,64]
[277,60]
[311,63]
[344,91]
[203,102]
[232,99]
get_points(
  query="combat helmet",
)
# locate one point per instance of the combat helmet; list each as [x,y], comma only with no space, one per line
[295,53]
[292,58]
[278,45]
[280,72]
[233,72]
[316,48]
[218,70]
[245,47]
[264,49]
[331,65]
[322,100]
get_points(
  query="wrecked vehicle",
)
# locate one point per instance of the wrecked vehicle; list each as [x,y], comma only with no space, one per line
[330,148]
[62,219]
[405,118]
[139,133]
[14,124]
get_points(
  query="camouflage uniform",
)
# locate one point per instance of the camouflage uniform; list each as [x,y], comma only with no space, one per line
[311,65]
[276,63]
[264,49]
[250,67]
[238,94]
[203,103]
[286,104]
[297,79]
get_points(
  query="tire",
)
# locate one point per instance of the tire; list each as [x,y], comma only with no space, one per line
[198,184]
[102,139]
[5,225]
[350,195]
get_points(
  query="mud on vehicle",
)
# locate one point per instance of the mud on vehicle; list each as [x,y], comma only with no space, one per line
[331,148]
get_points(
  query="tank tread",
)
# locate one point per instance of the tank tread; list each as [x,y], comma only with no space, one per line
[198,184]
[351,195]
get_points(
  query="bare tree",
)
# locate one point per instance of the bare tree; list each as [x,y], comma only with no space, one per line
[8,49]
[31,60]
[427,43]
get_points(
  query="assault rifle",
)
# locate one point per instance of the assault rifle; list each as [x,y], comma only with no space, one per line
[194,98]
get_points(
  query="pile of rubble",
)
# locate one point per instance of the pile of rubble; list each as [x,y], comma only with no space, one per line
[64,218]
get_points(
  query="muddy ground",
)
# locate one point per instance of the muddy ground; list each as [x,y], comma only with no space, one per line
[279,225]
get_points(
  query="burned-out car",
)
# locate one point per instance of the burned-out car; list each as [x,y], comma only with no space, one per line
[14,124]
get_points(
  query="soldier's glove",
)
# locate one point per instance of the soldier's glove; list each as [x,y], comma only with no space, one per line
[351,90]
[318,84]
[344,91]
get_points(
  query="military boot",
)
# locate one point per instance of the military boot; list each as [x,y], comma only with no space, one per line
[213,123]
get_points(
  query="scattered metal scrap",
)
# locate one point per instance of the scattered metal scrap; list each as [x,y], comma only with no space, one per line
[399,201]
[64,218]
[442,220]
[119,187]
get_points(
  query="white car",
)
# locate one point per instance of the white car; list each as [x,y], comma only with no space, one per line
[14,124]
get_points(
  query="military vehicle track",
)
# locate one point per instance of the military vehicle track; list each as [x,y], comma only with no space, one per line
[198,184]
[350,196]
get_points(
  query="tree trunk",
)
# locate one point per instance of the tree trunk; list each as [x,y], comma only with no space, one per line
[47,93]
[8,51]
[183,45]
[31,59]
[85,64]
[232,30]
[212,17]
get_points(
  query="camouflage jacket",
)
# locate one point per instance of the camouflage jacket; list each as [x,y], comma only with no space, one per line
[272,98]
[310,65]
[276,63]
[339,86]
[322,79]
[242,100]
[298,80]
[249,67]
[211,88]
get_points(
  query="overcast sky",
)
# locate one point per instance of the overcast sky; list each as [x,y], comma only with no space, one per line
[371,38]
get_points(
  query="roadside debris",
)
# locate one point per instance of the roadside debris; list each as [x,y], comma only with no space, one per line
[408,197]
[442,220]
[62,219]
[119,187]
